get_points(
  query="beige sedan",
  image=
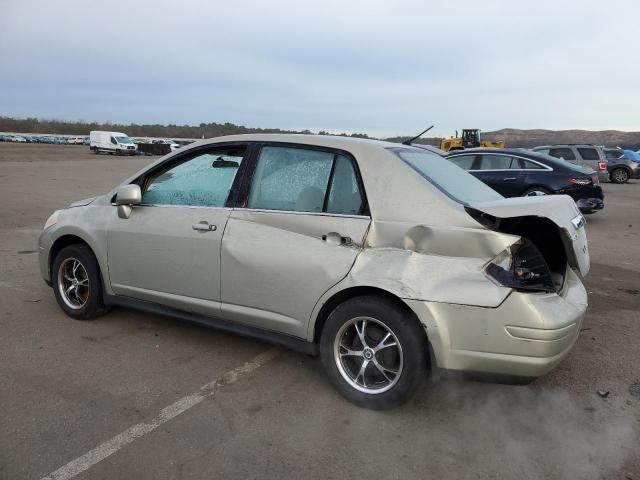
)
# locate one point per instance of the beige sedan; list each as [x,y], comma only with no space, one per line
[384,259]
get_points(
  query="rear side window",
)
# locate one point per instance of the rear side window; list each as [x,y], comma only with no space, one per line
[497,162]
[345,196]
[529,165]
[304,180]
[290,179]
[464,161]
[589,153]
[565,153]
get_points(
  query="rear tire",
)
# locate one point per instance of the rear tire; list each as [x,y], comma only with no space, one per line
[77,283]
[374,352]
[619,175]
[536,191]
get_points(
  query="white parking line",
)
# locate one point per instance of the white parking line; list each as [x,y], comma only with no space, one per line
[111,446]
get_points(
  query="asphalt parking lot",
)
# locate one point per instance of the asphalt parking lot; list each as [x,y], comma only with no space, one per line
[121,396]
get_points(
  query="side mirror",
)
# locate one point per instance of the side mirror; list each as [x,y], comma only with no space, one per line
[126,197]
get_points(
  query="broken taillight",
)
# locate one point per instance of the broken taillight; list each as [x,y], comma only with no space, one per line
[522,267]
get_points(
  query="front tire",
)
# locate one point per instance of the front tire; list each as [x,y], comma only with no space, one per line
[374,352]
[77,283]
[619,175]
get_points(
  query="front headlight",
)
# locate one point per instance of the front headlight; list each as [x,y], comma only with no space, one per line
[52,220]
[522,267]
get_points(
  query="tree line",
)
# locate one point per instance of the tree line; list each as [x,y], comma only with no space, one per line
[204,130]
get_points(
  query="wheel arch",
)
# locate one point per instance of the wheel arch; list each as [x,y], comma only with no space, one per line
[66,240]
[352,292]
[622,167]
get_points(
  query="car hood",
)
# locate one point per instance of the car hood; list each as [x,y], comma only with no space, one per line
[82,203]
[560,209]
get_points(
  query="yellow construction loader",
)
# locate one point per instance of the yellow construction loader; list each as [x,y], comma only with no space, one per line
[470,139]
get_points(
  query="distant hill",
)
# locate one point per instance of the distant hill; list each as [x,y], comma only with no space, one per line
[512,136]
[533,138]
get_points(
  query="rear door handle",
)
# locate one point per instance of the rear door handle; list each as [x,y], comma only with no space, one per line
[204,227]
[509,178]
[334,238]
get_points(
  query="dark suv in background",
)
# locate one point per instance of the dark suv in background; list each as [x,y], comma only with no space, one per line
[583,154]
[516,172]
[623,164]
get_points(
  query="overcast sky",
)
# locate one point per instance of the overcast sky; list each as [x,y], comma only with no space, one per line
[379,67]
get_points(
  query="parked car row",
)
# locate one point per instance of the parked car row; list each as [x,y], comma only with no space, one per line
[522,173]
[51,139]
[572,169]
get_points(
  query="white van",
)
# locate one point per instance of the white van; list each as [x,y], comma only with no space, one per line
[111,142]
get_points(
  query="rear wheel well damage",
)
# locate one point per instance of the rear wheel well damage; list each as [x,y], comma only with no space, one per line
[353,292]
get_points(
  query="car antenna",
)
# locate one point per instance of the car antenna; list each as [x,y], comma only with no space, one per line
[411,140]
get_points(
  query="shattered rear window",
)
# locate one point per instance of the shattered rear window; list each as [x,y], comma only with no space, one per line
[452,180]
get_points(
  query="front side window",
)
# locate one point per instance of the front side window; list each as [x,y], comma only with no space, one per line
[496,162]
[463,161]
[589,153]
[124,140]
[564,153]
[202,181]
[459,185]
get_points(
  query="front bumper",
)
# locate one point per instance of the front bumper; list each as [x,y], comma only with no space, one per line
[526,336]
[44,247]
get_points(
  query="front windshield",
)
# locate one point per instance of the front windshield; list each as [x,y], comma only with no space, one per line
[452,180]
[123,140]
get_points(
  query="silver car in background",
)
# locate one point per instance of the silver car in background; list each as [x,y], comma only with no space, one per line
[384,259]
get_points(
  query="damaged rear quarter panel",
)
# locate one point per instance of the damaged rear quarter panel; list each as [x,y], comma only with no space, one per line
[437,264]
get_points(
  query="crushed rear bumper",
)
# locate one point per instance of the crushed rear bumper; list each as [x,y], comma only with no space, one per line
[526,336]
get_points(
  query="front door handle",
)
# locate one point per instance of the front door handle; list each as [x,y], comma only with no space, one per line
[509,178]
[334,238]
[204,227]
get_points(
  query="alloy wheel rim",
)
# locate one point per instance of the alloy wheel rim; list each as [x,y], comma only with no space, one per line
[368,355]
[73,283]
[620,175]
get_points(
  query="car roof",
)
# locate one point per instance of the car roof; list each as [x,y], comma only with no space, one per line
[332,141]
